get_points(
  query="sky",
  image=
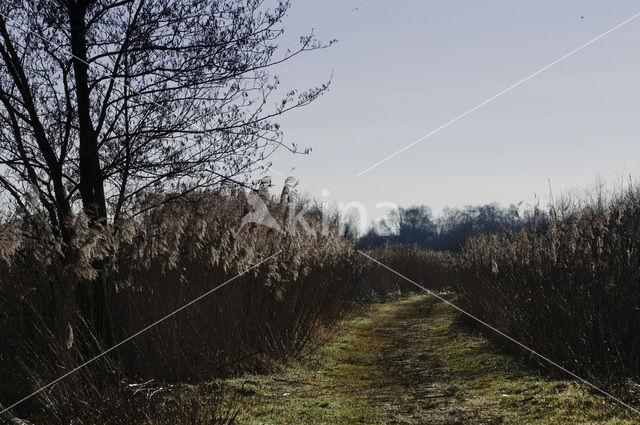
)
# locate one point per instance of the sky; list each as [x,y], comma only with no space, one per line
[403,68]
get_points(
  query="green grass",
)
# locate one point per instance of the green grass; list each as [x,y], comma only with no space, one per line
[407,362]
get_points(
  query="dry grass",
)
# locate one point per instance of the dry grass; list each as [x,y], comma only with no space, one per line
[569,286]
[433,268]
[151,265]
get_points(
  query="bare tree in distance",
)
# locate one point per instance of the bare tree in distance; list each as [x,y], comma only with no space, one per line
[102,100]
[410,225]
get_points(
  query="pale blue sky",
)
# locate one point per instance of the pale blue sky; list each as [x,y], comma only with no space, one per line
[403,68]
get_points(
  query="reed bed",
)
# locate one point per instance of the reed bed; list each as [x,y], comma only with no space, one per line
[434,270]
[569,286]
[566,284]
[153,264]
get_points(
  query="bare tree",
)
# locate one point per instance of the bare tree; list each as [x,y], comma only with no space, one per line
[411,225]
[104,99]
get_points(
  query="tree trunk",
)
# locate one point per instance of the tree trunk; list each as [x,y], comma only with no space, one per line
[91,184]
[92,296]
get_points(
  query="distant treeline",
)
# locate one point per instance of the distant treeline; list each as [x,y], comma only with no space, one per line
[417,225]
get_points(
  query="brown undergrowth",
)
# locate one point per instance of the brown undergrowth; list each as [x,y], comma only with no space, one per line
[152,264]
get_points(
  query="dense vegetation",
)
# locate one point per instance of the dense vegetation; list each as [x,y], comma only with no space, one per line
[159,262]
[565,283]
[122,126]
[569,288]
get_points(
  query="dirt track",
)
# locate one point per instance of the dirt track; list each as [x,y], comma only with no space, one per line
[408,362]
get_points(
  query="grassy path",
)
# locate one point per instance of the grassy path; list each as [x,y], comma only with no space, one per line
[407,362]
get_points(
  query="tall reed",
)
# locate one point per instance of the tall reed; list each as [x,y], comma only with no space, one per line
[155,263]
[568,287]
[433,270]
